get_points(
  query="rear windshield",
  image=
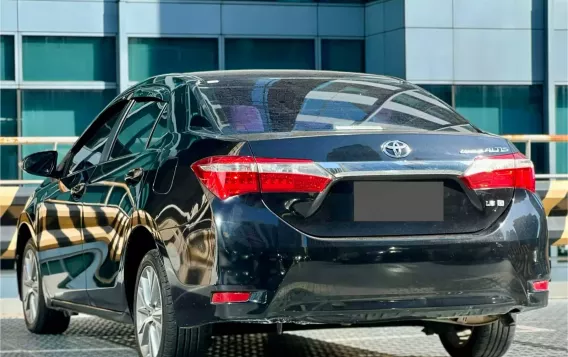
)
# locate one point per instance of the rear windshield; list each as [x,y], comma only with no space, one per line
[321,104]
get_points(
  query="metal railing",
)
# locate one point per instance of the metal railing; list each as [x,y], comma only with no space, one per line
[38,140]
[34,140]
[539,138]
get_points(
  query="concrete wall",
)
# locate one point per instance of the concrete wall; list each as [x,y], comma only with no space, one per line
[182,18]
[464,41]
[147,18]
[385,38]
[560,42]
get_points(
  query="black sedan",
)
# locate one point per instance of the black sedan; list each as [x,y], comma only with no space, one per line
[282,198]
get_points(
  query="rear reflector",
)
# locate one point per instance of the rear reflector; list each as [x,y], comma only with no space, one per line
[541,285]
[230,297]
[500,171]
[227,176]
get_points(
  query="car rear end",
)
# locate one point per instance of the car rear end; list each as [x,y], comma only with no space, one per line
[423,219]
[361,240]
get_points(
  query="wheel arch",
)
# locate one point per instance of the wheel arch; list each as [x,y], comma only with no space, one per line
[141,239]
[24,234]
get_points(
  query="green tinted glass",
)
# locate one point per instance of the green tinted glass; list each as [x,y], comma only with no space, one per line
[506,110]
[59,113]
[562,128]
[7,58]
[90,153]
[343,55]
[152,56]
[136,128]
[444,92]
[8,127]
[269,54]
[160,130]
[50,58]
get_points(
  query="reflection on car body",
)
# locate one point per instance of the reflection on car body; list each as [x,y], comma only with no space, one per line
[283,196]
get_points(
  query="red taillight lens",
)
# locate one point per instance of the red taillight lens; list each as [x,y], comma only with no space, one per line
[501,171]
[541,285]
[230,297]
[227,176]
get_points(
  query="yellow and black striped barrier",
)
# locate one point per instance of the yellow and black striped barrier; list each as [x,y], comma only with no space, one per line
[554,195]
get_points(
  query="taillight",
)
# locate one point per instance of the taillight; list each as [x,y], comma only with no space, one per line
[501,171]
[227,176]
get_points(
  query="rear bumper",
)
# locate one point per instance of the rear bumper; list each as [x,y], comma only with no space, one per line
[370,280]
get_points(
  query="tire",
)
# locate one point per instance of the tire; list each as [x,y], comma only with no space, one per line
[174,341]
[492,340]
[44,320]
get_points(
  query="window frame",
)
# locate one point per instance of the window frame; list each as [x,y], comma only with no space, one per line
[166,107]
[116,130]
[91,130]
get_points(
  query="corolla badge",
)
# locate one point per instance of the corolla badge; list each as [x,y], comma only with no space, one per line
[493,150]
[396,149]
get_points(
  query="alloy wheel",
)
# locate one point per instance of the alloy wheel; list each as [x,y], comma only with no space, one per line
[458,337]
[149,313]
[30,286]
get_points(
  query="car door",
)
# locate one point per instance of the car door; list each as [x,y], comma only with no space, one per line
[116,187]
[64,265]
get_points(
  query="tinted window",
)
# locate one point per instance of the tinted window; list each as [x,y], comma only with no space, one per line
[242,53]
[59,113]
[151,56]
[160,130]
[90,153]
[69,58]
[187,107]
[343,55]
[136,128]
[268,104]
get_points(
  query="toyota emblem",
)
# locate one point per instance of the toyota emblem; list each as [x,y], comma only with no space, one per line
[396,149]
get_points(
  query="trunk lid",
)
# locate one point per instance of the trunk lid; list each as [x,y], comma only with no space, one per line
[375,193]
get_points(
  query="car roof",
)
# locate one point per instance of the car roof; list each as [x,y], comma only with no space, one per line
[252,75]
[235,77]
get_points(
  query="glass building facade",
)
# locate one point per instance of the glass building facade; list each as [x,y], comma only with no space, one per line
[58,72]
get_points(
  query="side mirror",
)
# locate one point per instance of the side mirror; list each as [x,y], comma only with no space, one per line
[41,163]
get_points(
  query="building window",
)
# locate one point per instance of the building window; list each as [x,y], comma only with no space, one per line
[49,58]
[506,110]
[152,56]
[343,55]
[59,113]
[7,58]
[444,92]
[562,128]
[269,54]
[8,127]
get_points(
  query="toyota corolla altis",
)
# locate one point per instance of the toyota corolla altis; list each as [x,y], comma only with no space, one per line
[284,197]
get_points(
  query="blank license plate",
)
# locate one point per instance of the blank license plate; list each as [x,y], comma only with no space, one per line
[386,201]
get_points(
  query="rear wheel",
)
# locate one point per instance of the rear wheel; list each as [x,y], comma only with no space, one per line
[157,332]
[39,318]
[492,340]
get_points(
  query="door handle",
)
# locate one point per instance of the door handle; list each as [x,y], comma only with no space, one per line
[77,191]
[134,176]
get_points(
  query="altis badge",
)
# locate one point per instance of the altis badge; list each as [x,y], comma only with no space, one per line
[493,150]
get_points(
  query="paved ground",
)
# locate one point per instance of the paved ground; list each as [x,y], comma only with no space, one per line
[539,333]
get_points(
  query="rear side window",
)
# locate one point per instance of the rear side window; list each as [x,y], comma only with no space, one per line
[257,105]
[136,128]
[160,130]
